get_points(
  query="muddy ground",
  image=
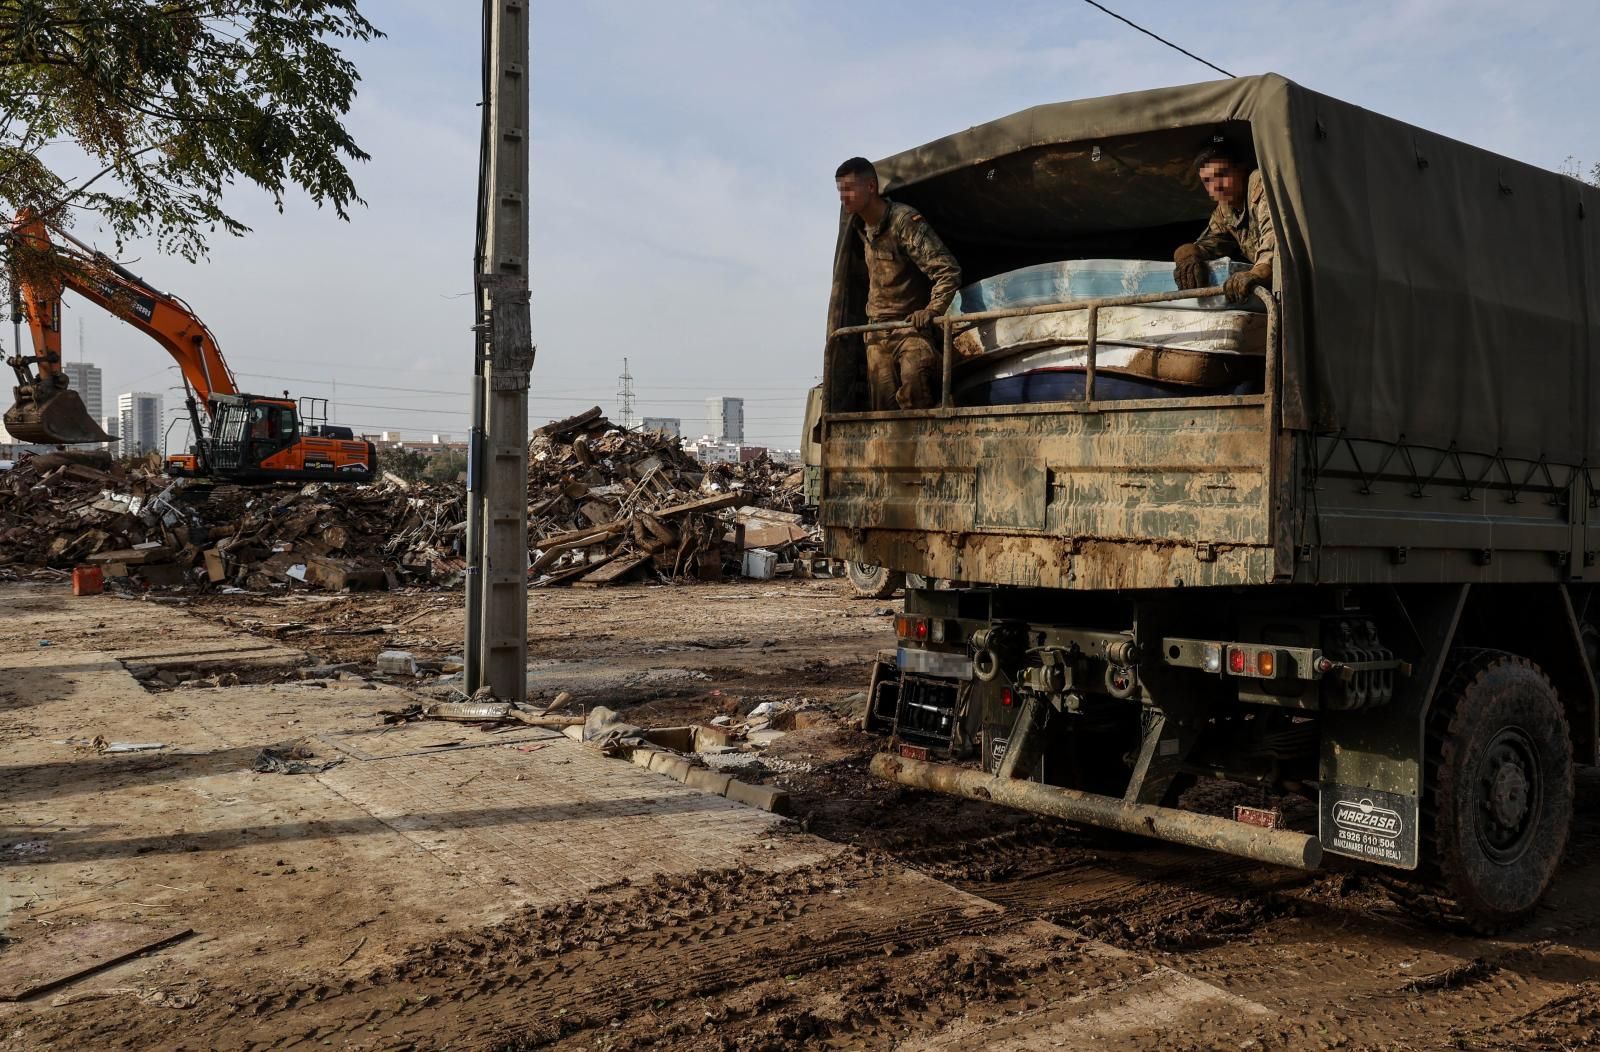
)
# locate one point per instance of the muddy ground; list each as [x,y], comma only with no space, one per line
[345,910]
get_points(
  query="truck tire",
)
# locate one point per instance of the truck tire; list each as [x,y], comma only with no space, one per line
[872,582]
[1498,802]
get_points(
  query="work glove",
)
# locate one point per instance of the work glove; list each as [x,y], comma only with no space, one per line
[922,319]
[1189,269]
[1238,286]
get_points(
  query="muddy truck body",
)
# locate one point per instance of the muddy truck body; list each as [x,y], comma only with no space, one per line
[1352,576]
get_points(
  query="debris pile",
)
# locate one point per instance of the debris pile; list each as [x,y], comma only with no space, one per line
[607,506]
[604,506]
[335,537]
[56,509]
[65,509]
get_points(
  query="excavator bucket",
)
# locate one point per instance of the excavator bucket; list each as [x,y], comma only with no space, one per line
[49,415]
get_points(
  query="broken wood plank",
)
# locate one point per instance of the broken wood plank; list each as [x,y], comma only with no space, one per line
[568,539]
[570,573]
[712,503]
[554,552]
[131,556]
[612,571]
[583,420]
[61,954]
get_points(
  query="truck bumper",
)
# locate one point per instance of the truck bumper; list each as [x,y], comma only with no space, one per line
[1276,846]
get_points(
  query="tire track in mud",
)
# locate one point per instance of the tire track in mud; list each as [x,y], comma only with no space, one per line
[672,940]
[859,950]
[1333,954]
[1354,963]
[1134,894]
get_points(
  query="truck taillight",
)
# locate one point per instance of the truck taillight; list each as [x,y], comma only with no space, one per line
[907,627]
[1249,661]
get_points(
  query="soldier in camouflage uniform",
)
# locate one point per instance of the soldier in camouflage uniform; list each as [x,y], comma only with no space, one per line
[1240,228]
[911,275]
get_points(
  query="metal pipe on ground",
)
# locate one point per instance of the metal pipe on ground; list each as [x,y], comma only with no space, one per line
[1277,846]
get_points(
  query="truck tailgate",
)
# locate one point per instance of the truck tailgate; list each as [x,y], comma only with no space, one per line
[1148,494]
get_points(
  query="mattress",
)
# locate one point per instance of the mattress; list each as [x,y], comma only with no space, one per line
[1208,326]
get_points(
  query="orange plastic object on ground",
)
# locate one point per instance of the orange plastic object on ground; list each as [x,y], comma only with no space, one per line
[88,580]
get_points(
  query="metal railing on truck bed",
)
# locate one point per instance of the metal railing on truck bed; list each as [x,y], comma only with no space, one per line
[949,323]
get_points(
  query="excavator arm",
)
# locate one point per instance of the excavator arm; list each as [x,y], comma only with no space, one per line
[46,409]
[245,438]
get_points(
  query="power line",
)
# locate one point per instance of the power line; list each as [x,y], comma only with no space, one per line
[586,395]
[1153,36]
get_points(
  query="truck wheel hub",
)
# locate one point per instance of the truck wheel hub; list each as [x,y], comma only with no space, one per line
[1510,790]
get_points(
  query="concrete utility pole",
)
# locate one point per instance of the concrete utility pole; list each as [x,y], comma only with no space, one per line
[496,650]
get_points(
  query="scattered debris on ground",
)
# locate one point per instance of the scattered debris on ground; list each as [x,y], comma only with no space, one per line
[291,758]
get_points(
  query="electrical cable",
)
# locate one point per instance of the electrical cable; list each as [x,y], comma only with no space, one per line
[1153,36]
[550,396]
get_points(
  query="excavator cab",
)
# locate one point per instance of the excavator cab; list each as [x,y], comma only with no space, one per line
[256,438]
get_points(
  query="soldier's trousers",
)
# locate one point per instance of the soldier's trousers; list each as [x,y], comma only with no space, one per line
[903,372]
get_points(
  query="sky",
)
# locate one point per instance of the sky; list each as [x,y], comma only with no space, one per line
[683,208]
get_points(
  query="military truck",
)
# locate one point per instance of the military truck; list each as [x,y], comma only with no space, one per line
[1360,583]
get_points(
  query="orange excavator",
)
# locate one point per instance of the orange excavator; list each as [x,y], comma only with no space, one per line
[243,437]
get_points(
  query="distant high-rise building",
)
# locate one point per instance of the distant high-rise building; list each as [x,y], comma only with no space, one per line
[139,425]
[725,419]
[111,424]
[84,378]
[667,425]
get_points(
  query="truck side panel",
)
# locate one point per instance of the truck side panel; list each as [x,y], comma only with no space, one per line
[1133,495]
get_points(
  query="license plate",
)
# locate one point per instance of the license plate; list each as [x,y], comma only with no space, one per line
[1266,818]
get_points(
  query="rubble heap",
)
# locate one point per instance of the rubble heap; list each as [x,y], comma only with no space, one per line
[65,509]
[608,505]
[56,509]
[339,537]
[604,505]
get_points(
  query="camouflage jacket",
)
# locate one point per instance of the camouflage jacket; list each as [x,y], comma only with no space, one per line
[908,267]
[1247,233]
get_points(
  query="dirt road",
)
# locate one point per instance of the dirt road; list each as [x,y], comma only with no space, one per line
[444,888]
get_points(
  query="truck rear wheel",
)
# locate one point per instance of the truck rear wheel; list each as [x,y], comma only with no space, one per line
[873,582]
[1499,796]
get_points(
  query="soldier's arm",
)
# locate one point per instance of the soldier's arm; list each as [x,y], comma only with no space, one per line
[1217,240]
[931,256]
[1267,234]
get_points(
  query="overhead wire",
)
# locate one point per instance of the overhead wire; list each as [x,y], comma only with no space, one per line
[556,396]
[1154,36]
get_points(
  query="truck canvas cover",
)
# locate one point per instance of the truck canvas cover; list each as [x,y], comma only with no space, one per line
[1435,294]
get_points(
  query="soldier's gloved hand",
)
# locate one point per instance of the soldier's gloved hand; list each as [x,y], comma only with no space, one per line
[1238,286]
[1189,269]
[922,319]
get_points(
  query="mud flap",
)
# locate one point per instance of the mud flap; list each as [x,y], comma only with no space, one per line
[1369,824]
[1371,769]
